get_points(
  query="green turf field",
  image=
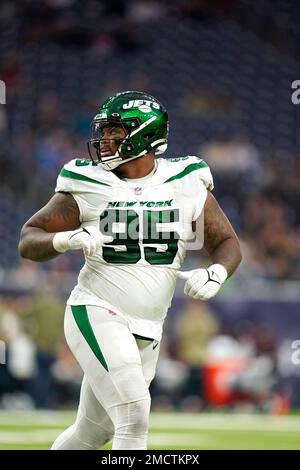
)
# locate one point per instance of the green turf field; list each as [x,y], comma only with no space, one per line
[37,430]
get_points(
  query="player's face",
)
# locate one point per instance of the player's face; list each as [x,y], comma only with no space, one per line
[110,139]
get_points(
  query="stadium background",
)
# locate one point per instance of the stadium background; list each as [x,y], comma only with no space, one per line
[224,70]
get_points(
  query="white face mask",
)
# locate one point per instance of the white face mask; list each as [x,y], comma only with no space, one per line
[112,162]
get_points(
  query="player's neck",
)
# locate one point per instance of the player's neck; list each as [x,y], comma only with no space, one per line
[137,168]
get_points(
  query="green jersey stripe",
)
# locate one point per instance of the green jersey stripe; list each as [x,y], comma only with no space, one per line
[76,176]
[82,320]
[187,170]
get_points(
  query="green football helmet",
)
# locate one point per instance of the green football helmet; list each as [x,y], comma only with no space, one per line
[144,120]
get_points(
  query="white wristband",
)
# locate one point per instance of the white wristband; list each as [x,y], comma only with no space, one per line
[220,271]
[60,241]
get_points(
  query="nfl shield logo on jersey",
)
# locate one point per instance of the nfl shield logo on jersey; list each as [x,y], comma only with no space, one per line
[137,191]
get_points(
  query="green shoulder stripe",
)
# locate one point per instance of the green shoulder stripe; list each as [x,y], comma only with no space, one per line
[77,176]
[81,317]
[187,170]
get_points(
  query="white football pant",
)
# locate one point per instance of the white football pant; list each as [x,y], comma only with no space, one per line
[118,368]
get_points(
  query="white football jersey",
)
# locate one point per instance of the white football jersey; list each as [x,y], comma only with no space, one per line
[150,219]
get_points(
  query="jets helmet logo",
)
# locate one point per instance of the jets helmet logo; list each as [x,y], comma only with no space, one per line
[139,103]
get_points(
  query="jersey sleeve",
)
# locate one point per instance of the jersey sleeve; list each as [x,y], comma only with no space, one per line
[203,172]
[63,183]
[71,180]
[204,181]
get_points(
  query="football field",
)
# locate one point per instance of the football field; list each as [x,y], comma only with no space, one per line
[37,430]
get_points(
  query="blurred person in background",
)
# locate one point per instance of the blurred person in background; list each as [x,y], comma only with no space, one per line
[132,215]
[17,375]
[240,369]
[45,330]
[67,376]
[195,327]
[170,378]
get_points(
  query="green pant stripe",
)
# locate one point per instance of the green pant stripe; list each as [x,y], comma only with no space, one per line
[82,320]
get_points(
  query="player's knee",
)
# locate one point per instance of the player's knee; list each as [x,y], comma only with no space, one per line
[140,414]
[132,418]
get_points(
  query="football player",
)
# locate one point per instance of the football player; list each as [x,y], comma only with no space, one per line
[132,215]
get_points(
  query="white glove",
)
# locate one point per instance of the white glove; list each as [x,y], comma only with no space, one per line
[90,239]
[203,283]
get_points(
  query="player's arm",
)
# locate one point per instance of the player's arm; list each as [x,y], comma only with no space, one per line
[222,245]
[220,239]
[60,214]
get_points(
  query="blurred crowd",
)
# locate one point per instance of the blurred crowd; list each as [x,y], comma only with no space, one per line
[261,194]
[39,370]
[45,122]
[229,105]
[204,363]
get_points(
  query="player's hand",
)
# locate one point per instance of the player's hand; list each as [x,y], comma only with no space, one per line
[203,283]
[89,239]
